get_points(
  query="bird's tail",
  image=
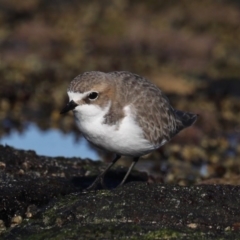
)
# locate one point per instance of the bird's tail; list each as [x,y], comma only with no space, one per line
[185,119]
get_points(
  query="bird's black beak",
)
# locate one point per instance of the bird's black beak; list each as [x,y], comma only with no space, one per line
[70,106]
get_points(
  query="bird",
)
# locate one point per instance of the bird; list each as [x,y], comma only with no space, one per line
[123,113]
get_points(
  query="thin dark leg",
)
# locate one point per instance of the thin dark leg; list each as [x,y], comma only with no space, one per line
[135,160]
[101,175]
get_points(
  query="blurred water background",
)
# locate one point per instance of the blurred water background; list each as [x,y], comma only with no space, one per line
[190,49]
[50,143]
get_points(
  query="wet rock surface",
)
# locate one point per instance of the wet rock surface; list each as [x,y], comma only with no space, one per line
[45,204]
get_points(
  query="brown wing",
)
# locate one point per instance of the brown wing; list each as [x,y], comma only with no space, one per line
[154,113]
[156,116]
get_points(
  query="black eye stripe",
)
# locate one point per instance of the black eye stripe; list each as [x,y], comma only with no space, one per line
[93,95]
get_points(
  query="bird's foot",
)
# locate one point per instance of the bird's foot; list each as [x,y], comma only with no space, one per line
[94,185]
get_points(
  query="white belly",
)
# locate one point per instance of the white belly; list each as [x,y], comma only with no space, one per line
[124,139]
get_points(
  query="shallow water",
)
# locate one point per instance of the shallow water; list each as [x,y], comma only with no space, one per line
[51,142]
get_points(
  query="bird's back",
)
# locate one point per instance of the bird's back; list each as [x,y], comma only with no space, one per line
[153,112]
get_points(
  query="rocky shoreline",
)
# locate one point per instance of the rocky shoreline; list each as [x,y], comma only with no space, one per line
[44,198]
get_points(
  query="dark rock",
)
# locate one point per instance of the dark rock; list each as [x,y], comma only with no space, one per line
[38,206]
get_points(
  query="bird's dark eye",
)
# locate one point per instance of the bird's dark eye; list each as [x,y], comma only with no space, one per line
[93,95]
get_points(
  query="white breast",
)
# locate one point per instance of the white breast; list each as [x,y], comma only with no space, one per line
[124,139]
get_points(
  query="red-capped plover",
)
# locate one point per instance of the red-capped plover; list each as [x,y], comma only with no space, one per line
[123,113]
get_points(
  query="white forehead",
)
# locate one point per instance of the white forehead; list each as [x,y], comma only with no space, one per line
[76,96]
